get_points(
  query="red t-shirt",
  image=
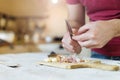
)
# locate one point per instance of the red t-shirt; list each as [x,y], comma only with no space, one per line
[103,10]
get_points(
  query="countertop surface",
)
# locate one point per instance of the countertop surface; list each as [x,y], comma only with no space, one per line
[28,69]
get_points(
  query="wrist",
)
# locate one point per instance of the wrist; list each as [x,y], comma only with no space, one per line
[76,23]
[115,24]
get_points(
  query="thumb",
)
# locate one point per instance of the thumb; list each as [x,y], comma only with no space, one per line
[75,30]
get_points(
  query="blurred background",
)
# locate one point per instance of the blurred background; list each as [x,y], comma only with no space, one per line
[32,25]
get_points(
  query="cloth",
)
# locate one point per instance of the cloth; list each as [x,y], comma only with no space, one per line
[101,56]
[103,10]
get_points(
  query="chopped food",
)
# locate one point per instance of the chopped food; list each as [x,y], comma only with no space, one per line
[52,54]
[53,57]
[69,62]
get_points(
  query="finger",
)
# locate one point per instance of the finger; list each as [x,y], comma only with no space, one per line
[88,44]
[83,29]
[83,37]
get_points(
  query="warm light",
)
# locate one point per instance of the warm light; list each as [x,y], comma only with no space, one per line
[54,1]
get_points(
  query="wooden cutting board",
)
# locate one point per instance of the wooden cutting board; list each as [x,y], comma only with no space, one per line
[81,65]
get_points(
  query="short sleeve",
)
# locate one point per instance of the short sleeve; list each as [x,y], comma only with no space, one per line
[73,1]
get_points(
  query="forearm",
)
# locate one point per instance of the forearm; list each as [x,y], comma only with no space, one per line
[76,15]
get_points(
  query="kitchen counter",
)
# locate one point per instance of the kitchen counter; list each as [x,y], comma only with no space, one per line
[28,69]
[18,49]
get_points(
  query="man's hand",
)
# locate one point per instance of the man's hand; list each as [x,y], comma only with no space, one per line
[70,44]
[95,34]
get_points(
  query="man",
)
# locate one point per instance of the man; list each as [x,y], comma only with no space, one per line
[101,34]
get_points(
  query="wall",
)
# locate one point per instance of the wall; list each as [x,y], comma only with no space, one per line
[28,7]
[4,6]
[56,13]
[56,22]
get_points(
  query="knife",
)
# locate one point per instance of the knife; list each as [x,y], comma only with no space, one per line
[69,28]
